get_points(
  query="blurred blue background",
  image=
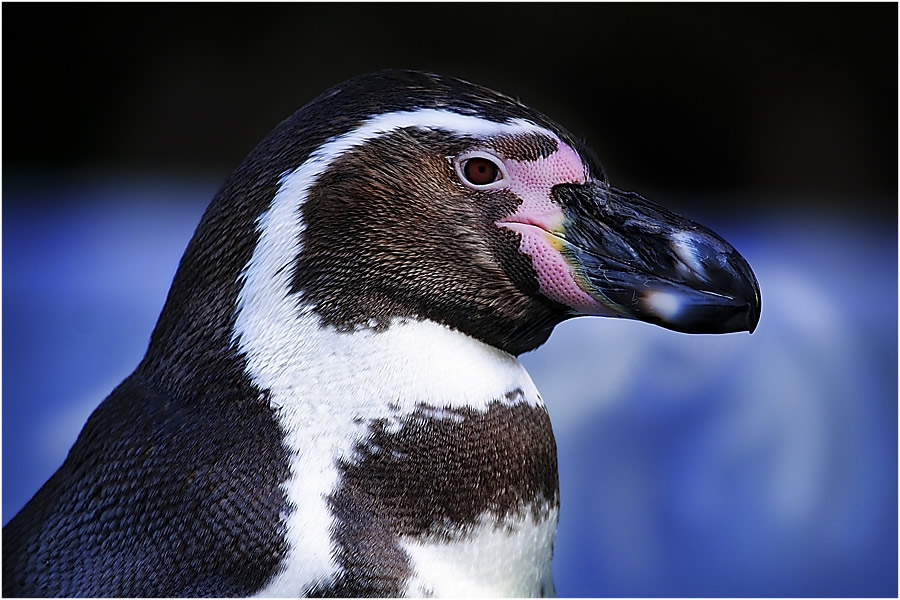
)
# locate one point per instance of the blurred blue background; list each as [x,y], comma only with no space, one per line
[735,465]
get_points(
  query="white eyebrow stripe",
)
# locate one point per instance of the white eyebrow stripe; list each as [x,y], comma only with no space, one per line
[424,118]
[433,118]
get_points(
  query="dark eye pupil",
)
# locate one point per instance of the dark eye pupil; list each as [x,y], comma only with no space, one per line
[480,171]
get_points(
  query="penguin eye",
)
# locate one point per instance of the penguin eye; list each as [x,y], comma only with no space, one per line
[480,170]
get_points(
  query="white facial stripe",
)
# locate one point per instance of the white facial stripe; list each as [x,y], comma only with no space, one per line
[425,118]
[431,118]
[281,226]
[325,385]
[264,304]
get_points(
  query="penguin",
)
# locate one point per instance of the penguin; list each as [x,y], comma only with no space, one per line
[331,402]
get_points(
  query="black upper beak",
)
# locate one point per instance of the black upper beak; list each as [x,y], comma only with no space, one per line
[645,262]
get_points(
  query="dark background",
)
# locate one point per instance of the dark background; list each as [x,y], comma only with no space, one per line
[689,465]
[770,99]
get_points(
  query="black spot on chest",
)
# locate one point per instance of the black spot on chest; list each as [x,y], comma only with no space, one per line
[434,475]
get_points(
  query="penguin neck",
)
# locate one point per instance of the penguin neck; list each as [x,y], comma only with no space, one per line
[376,373]
[331,391]
[295,356]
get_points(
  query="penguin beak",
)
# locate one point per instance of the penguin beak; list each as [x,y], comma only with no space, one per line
[641,261]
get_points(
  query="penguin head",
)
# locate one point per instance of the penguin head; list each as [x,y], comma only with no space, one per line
[411,219]
[406,195]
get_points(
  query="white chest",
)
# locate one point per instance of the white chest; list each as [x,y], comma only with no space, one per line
[506,558]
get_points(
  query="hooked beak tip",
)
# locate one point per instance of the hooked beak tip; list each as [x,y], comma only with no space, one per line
[680,308]
[753,312]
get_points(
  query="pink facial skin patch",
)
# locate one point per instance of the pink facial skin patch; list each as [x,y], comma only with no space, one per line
[532,181]
[554,274]
[538,218]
